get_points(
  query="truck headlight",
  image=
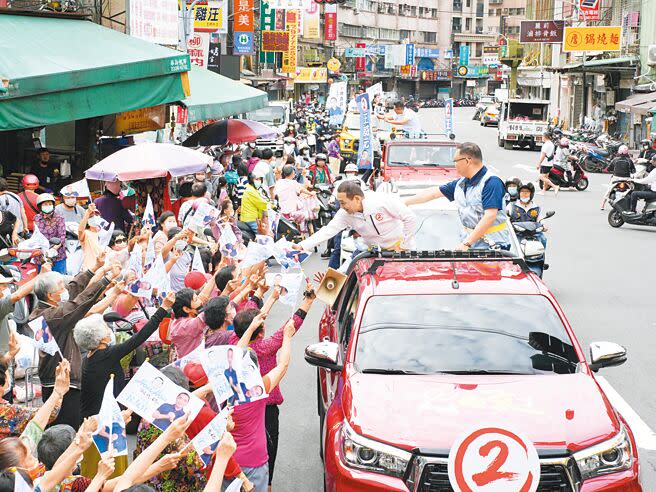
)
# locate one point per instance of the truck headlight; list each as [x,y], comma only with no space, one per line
[365,454]
[610,456]
[347,142]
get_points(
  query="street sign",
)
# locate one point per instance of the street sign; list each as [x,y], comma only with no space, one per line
[409,54]
[589,10]
[354,52]
[243,43]
[542,31]
[601,38]
[464,54]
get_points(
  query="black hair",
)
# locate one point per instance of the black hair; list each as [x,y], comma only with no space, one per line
[470,149]
[222,182]
[8,480]
[351,188]
[3,184]
[399,104]
[198,190]
[115,235]
[243,320]
[267,154]
[215,312]
[224,276]
[242,169]
[236,160]
[183,299]
[185,189]
[173,231]
[257,153]
[251,179]
[205,257]
[54,442]
[176,375]
[3,372]
[163,217]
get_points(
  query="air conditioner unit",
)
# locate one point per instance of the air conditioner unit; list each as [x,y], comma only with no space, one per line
[651,55]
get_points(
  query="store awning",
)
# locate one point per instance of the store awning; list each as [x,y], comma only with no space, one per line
[602,66]
[637,103]
[214,96]
[69,69]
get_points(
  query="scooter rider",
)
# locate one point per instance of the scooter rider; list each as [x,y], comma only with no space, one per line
[622,165]
[524,210]
[512,190]
[547,153]
[646,150]
[647,195]
[479,199]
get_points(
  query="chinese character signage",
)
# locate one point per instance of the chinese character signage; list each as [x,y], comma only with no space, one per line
[267,23]
[365,150]
[243,28]
[275,40]
[408,70]
[409,54]
[289,56]
[140,120]
[427,52]
[311,21]
[355,52]
[243,43]
[198,48]
[361,61]
[606,38]
[154,20]
[448,116]
[464,54]
[542,31]
[307,74]
[211,18]
[589,10]
[330,22]
[214,53]
[435,75]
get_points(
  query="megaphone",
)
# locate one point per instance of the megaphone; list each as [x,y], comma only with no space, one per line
[331,286]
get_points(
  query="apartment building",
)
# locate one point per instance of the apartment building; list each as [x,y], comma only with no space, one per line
[504,17]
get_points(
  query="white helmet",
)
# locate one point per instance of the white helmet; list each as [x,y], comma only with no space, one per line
[351,168]
[623,150]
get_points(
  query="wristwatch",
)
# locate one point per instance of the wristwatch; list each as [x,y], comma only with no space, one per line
[465,243]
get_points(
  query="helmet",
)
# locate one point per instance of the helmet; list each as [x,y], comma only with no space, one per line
[44,197]
[320,157]
[515,180]
[623,150]
[645,141]
[351,168]
[30,182]
[557,133]
[564,142]
[529,187]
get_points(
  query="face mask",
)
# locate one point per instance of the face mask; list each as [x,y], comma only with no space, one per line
[180,245]
[47,209]
[64,297]
[94,221]
[525,199]
[512,191]
[258,184]
[112,339]
[70,203]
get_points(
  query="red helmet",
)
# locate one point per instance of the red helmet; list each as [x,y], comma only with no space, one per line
[30,182]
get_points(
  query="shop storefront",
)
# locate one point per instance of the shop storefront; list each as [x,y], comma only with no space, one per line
[470,81]
[435,83]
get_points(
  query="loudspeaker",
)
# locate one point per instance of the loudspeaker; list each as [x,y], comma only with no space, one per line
[331,286]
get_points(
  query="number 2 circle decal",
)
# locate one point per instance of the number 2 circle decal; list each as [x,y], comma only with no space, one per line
[493,459]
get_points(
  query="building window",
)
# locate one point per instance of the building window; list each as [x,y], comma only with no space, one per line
[434,13]
[390,34]
[350,31]
[467,24]
[456,24]
[479,50]
[413,11]
[467,3]
[457,5]
[430,37]
[404,33]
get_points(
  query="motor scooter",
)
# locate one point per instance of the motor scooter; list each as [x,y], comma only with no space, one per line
[558,176]
[532,247]
[647,217]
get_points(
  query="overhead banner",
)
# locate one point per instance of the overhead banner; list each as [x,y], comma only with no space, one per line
[211,17]
[602,38]
[542,31]
[154,20]
[330,22]
[589,10]
[141,120]
[275,40]
[267,23]
[198,48]
[336,103]
[360,61]
[365,150]
[311,21]
[309,75]
[289,56]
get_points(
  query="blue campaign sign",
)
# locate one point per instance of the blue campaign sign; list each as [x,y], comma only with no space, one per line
[427,53]
[409,54]
[243,44]
[365,150]
[448,116]
[464,55]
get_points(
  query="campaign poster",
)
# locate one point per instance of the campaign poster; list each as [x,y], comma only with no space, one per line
[448,116]
[290,285]
[207,440]
[158,399]
[365,150]
[337,103]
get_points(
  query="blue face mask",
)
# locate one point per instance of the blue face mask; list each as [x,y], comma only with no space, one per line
[512,191]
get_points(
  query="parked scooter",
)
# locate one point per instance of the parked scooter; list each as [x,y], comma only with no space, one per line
[617,219]
[534,251]
[286,228]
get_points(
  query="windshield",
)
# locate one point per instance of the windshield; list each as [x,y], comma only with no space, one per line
[528,112]
[487,100]
[518,334]
[437,229]
[269,115]
[352,121]
[421,155]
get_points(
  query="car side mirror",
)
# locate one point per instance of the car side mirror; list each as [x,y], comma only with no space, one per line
[550,213]
[606,354]
[324,354]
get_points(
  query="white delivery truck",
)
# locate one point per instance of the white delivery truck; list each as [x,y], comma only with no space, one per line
[522,122]
[278,115]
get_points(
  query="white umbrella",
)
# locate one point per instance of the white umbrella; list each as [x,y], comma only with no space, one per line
[149,160]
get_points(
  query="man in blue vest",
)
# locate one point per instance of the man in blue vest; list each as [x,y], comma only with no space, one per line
[479,199]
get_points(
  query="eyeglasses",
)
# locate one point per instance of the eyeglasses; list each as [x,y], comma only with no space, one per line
[119,240]
[457,160]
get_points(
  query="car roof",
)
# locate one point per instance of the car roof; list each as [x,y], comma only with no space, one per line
[426,277]
[421,141]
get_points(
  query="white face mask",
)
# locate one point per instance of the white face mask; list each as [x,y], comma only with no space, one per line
[70,202]
[94,221]
[64,297]
[258,183]
[525,199]
[47,209]
[512,191]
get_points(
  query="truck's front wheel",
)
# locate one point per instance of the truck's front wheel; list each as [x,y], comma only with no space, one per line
[508,145]
[500,142]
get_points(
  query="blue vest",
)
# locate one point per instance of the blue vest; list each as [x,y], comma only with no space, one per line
[519,214]
[470,210]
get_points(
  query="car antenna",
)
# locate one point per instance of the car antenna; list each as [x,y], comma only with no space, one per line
[454,283]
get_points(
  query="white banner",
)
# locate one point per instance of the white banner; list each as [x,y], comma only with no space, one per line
[154,20]
[198,48]
[389,57]
[336,103]
[375,90]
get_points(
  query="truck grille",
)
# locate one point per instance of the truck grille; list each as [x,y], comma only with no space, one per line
[435,478]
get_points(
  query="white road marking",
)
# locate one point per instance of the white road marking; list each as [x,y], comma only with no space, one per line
[495,170]
[528,169]
[644,436]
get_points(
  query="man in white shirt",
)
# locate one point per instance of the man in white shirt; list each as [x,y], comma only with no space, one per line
[646,195]
[380,219]
[547,153]
[406,118]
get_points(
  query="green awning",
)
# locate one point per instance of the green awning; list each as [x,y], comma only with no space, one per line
[214,96]
[68,69]
[592,65]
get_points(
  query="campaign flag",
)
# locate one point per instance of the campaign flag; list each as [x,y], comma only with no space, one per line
[77,189]
[336,103]
[111,433]
[20,485]
[135,263]
[43,338]
[203,215]
[207,440]
[365,151]
[158,277]
[105,232]
[287,256]
[228,242]
[235,485]
[36,241]
[140,288]
[290,284]
[149,214]
[448,116]
[150,254]
[191,365]
[197,263]
[255,253]
[375,90]
[157,399]
[274,220]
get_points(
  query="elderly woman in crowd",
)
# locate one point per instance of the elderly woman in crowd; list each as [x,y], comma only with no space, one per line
[51,225]
[62,306]
[290,195]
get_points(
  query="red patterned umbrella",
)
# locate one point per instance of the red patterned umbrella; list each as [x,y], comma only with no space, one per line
[230,131]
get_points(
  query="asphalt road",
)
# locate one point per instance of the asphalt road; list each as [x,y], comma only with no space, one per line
[602,277]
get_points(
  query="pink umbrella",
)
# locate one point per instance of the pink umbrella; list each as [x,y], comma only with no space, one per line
[149,160]
[230,131]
